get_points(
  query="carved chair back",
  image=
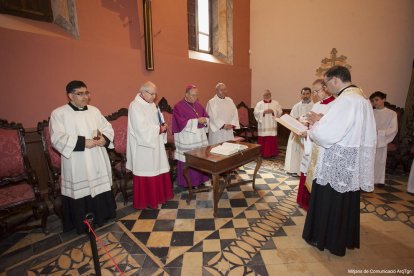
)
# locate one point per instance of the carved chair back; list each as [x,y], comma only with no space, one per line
[248,129]
[52,157]
[167,112]
[19,189]
[243,112]
[119,122]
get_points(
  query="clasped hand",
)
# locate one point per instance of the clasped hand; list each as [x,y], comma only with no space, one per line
[228,126]
[164,128]
[91,143]
[202,120]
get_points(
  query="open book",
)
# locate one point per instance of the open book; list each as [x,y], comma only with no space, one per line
[228,148]
[292,124]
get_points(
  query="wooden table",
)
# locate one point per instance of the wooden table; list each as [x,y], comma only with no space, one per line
[216,165]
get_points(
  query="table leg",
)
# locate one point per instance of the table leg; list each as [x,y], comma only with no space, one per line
[256,169]
[216,187]
[190,187]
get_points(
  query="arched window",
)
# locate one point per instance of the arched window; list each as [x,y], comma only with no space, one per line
[199,27]
[210,28]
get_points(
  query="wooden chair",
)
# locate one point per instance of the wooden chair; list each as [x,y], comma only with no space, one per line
[54,165]
[119,122]
[397,153]
[248,130]
[253,124]
[20,197]
[170,146]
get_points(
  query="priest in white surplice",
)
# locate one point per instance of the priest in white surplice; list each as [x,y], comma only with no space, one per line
[387,128]
[265,113]
[294,150]
[80,134]
[223,116]
[348,135]
[189,125]
[311,150]
[146,155]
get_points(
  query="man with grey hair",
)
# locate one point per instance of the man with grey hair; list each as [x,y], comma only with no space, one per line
[146,156]
[223,116]
[265,113]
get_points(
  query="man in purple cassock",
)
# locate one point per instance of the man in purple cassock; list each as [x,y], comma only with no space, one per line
[189,126]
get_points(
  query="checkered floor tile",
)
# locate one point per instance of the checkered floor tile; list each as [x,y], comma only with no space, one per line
[178,226]
[254,233]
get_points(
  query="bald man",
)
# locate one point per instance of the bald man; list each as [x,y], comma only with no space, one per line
[223,116]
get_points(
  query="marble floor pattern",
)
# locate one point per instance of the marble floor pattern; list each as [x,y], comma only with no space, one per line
[254,234]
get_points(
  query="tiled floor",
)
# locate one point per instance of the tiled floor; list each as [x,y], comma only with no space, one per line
[253,235]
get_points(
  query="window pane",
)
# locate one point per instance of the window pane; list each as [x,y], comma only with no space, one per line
[33,9]
[203,42]
[203,16]
[192,31]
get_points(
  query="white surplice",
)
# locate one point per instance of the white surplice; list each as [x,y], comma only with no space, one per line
[387,127]
[191,137]
[86,172]
[312,150]
[146,155]
[267,125]
[348,135]
[294,150]
[221,112]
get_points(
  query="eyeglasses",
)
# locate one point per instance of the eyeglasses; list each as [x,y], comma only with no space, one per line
[326,82]
[152,94]
[316,91]
[81,94]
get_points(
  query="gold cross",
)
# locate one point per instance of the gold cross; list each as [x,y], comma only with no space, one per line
[334,60]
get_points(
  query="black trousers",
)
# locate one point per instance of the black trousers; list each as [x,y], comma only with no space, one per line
[333,219]
[103,206]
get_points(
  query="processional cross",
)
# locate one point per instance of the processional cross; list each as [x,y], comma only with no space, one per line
[330,62]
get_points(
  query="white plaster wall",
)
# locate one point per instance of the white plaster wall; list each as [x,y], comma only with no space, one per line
[288,40]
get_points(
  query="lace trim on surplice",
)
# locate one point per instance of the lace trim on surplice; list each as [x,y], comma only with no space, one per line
[346,168]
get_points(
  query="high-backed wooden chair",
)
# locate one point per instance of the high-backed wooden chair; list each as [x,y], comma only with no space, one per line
[247,128]
[119,122]
[54,165]
[397,154]
[170,146]
[20,197]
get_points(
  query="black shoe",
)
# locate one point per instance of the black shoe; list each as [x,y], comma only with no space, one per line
[380,185]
